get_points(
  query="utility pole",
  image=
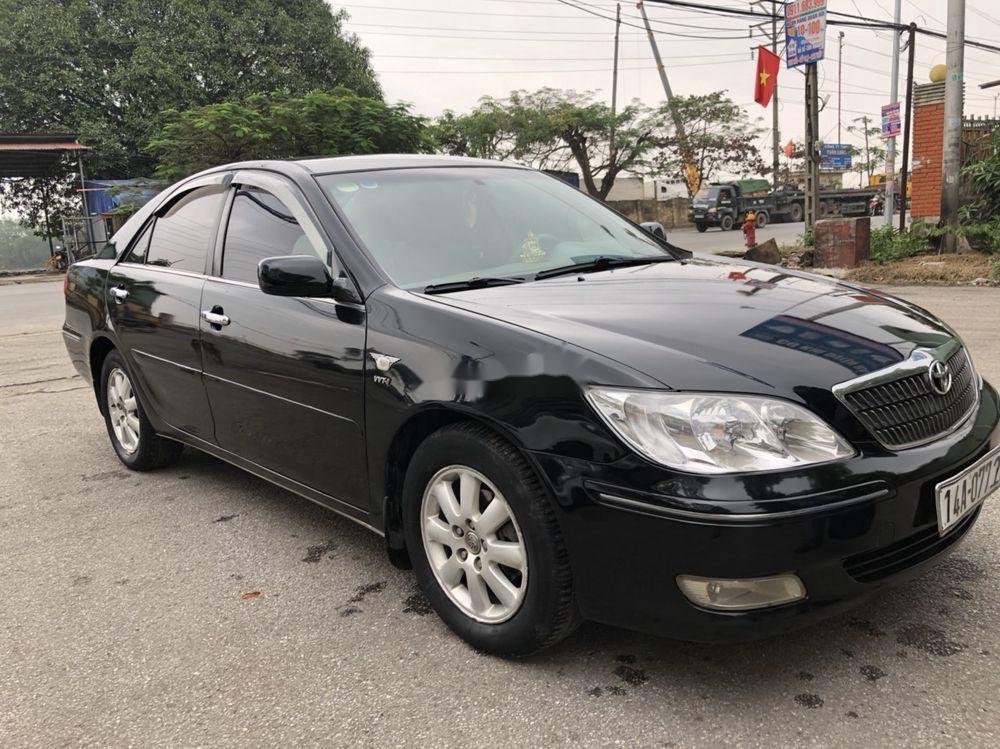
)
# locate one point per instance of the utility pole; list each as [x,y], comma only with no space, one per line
[775,133]
[691,177]
[812,154]
[951,161]
[890,148]
[840,90]
[612,150]
[907,115]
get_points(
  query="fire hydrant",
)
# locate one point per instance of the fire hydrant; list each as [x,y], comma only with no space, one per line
[750,229]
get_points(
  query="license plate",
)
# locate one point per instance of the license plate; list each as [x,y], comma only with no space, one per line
[962,494]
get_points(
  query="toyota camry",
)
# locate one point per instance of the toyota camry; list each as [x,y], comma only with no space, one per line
[549,412]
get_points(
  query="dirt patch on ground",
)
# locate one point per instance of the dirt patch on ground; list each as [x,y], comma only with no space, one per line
[930,268]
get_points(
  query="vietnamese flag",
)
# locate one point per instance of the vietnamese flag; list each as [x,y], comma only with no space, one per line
[767,75]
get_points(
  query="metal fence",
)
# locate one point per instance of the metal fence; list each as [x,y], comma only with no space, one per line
[83,236]
[980,138]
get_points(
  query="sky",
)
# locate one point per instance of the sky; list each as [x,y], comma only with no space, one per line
[446,54]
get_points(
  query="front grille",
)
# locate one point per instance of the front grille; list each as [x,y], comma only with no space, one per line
[907,411]
[879,563]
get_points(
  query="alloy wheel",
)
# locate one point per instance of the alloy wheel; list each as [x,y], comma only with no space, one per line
[474,545]
[123,410]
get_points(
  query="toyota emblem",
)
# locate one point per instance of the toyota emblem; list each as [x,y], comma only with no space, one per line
[939,375]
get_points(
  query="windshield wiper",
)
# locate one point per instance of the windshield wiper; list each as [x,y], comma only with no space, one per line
[479,282]
[601,263]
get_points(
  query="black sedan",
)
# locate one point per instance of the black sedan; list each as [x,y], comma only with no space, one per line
[548,412]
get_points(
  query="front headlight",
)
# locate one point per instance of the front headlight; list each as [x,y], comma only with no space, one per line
[705,433]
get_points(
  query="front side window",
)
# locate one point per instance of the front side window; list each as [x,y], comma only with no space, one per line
[137,254]
[260,226]
[433,225]
[181,237]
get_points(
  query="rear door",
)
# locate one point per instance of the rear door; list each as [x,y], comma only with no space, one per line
[284,374]
[154,298]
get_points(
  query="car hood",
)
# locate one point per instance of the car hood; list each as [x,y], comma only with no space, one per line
[707,324]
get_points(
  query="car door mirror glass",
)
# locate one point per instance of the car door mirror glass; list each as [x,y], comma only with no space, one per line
[294,275]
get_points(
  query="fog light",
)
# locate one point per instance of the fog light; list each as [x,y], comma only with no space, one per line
[742,594]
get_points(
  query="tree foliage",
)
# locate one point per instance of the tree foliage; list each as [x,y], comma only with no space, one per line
[982,182]
[37,198]
[19,248]
[106,69]
[872,155]
[279,126]
[720,136]
[553,129]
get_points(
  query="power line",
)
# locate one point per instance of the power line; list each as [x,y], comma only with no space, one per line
[858,21]
[606,69]
[740,55]
[570,4]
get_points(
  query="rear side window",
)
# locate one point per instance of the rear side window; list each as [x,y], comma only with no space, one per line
[260,226]
[182,236]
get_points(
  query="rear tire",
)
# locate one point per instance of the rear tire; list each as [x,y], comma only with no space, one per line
[135,442]
[508,591]
[796,212]
[761,220]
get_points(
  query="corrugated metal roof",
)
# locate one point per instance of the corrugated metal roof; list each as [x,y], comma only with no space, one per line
[50,146]
[35,154]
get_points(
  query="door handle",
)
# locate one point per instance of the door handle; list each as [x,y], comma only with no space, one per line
[216,319]
[119,294]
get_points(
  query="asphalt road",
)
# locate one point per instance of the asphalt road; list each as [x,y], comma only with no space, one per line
[122,620]
[716,240]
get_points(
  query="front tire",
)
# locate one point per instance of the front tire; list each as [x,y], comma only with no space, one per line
[132,436]
[484,543]
[701,227]
[726,223]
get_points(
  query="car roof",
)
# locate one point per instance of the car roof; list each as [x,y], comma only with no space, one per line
[333,165]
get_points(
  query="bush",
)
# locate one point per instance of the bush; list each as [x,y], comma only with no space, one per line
[983,236]
[888,244]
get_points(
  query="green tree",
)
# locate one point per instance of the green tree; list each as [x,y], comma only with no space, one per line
[279,126]
[487,132]
[19,248]
[872,156]
[720,136]
[106,69]
[553,129]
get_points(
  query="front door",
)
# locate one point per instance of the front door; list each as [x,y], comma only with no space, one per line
[154,298]
[284,374]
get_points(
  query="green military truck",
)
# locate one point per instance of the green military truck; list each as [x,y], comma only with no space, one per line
[724,204]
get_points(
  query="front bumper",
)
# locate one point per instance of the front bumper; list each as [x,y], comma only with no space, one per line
[708,219]
[846,529]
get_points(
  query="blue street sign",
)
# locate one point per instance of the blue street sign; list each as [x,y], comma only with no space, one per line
[835,156]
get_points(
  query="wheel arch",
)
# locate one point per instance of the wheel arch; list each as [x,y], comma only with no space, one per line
[100,347]
[404,444]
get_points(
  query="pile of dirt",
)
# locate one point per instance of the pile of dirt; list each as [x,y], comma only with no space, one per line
[932,269]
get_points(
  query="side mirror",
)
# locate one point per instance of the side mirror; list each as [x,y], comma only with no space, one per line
[294,275]
[655,228]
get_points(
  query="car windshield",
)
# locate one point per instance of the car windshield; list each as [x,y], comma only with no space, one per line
[434,225]
[707,193]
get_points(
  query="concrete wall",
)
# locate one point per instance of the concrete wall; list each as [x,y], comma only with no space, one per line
[631,188]
[671,213]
